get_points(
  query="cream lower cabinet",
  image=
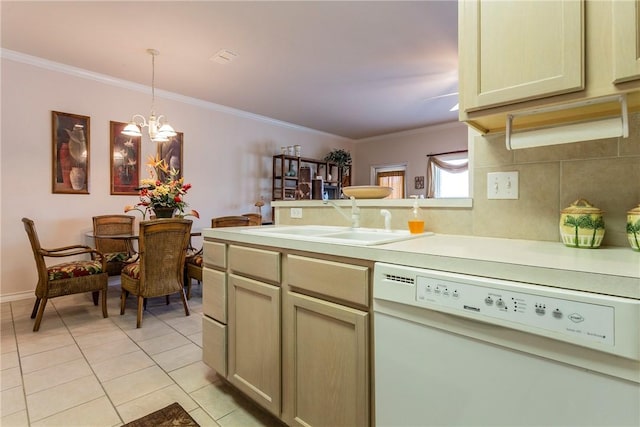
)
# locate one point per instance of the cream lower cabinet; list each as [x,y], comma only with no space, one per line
[291,332]
[254,340]
[326,363]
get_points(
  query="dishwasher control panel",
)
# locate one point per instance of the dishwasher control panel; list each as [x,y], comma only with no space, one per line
[589,321]
[602,322]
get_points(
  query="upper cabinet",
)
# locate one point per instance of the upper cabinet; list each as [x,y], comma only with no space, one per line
[520,50]
[521,55]
[626,40]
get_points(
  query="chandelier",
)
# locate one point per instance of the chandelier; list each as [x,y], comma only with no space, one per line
[159,128]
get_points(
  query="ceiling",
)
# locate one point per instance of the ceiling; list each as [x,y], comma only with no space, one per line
[351,68]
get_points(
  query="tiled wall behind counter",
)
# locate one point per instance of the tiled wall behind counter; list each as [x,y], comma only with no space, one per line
[605,172]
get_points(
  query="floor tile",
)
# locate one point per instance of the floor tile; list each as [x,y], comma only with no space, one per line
[12,401]
[65,396]
[9,360]
[96,413]
[163,343]
[194,376]
[10,378]
[187,325]
[178,357]
[156,400]
[137,384]
[101,338]
[46,359]
[18,419]
[53,376]
[196,339]
[202,418]
[216,399]
[44,342]
[122,365]
[115,348]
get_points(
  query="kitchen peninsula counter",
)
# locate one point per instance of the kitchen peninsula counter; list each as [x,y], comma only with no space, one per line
[606,270]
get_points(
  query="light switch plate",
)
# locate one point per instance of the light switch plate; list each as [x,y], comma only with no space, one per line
[502,185]
[296,213]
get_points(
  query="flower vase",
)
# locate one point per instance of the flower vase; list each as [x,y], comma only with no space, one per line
[77,176]
[163,212]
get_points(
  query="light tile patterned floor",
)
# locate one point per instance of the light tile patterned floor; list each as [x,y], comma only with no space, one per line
[83,370]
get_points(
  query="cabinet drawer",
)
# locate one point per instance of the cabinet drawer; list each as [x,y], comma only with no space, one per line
[214,294]
[256,263]
[214,345]
[342,281]
[214,254]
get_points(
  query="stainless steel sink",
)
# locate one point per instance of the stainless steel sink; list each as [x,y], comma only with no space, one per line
[342,235]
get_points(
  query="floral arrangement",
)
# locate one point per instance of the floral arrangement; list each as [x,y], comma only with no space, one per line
[167,193]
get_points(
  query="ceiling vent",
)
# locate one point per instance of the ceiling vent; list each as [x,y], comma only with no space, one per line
[224,56]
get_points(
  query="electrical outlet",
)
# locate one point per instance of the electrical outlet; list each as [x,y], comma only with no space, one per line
[502,185]
[296,213]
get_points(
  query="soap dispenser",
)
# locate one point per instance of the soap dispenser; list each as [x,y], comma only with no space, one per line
[416,220]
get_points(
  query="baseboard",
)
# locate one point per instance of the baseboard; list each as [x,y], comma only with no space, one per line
[16,296]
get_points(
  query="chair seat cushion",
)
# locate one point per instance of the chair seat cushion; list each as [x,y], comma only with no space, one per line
[132,270]
[74,269]
[116,256]
[195,260]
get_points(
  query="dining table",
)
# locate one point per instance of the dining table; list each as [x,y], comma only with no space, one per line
[130,238]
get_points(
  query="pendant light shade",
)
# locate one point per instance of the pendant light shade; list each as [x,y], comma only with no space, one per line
[159,128]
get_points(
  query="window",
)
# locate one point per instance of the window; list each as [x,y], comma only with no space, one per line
[448,175]
[391,176]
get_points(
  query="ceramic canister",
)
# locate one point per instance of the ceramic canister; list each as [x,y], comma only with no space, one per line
[633,227]
[581,225]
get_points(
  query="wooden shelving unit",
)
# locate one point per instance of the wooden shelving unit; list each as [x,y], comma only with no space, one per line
[293,178]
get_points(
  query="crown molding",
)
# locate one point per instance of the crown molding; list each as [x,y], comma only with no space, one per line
[136,87]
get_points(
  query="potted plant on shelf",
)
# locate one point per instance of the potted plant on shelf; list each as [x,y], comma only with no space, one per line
[342,158]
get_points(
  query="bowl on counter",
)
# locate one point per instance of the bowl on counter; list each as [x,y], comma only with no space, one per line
[367,191]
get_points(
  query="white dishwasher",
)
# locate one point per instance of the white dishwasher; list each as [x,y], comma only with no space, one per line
[460,350]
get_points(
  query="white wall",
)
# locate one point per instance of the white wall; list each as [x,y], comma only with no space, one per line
[227,156]
[410,148]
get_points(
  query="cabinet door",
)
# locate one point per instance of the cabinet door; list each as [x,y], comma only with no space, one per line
[511,51]
[254,340]
[626,40]
[326,364]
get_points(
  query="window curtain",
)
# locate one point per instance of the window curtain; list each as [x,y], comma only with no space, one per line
[393,179]
[434,162]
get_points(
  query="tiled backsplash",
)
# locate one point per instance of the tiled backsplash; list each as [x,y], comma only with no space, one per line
[605,172]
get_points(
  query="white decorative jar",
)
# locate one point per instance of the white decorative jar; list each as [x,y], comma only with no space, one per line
[633,228]
[582,225]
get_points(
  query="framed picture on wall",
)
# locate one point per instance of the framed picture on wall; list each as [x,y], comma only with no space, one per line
[171,152]
[125,161]
[70,153]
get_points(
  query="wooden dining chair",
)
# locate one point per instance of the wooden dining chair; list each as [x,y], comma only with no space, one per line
[254,218]
[67,278]
[159,270]
[116,251]
[193,263]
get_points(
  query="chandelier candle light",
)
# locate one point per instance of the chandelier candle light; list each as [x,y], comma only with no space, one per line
[159,128]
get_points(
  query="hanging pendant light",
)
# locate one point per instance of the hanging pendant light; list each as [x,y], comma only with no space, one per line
[159,128]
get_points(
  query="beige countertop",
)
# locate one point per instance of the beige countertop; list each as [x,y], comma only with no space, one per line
[606,270]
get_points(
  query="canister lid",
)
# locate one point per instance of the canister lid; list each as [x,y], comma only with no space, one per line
[581,206]
[635,210]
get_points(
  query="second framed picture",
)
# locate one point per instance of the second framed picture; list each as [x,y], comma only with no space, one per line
[171,152]
[125,161]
